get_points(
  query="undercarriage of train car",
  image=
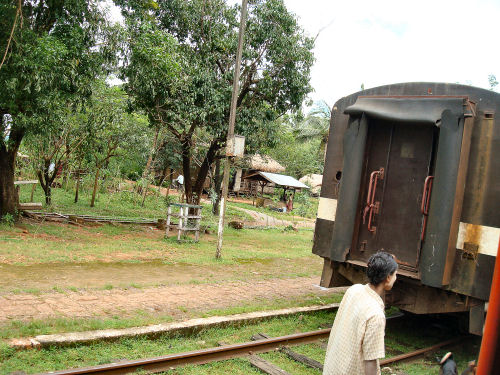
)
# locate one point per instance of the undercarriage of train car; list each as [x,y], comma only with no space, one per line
[404,167]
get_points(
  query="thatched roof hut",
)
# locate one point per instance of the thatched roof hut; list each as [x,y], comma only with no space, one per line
[251,165]
[264,163]
[314,181]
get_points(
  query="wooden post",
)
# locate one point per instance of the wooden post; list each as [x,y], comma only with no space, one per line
[181,217]
[198,220]
[32,191]
[230,132]
[167,227]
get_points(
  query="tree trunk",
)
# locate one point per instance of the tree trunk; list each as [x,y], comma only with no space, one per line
[65,165]
[47,188]
[78,176]
[96,183]
[46,179]
[144,193]
[203,172]
[186,169]
[8,193]
[145,173]
[164,174]
[77,185]
[104,176]
[169,182]
[42,178]
[218,182]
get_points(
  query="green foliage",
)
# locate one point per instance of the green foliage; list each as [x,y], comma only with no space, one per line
[57,50]
[8,219]
[154,69]
[180,71]
[316,124]
[53,58]
[297,156]
[301,141]
[303,204]
[109,128]
[492,80]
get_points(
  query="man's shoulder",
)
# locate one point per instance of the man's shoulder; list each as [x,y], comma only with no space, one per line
[354,289]
[359,295]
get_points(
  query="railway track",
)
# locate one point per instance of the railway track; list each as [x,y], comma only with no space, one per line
[247,349]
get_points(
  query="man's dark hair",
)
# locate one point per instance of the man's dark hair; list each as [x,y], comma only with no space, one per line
[380,265]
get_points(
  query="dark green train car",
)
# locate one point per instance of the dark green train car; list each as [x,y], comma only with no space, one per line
[414,169]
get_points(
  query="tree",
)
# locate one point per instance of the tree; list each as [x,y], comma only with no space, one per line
[316,125]
[184,80]
[109,126]
[50,153]
[52,51]
[300,156]
[492,80]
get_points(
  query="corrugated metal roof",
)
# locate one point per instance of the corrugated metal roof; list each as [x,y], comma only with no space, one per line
[281,179]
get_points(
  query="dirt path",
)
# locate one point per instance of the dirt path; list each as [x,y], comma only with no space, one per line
[176,300]
[260,219]
[270,221]
[41,278]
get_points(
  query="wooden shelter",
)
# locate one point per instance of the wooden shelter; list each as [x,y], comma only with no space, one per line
[288,183]
[251,165]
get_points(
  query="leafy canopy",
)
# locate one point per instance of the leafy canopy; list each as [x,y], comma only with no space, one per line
[181,64]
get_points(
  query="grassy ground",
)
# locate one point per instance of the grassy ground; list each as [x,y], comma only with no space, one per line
[250,253]
[60,358]
[120,204]
[409,334]
[30,243]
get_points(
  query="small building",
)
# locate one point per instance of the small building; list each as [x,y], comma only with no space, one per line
[287,183]
[251,165]
[314,181]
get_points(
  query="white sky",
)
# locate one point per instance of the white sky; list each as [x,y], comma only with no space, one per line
[389,41]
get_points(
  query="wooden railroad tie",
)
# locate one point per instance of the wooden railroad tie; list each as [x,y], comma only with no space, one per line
[271,369]
[309,362]
[265,366]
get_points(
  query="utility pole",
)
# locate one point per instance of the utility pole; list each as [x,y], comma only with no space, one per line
[230,132]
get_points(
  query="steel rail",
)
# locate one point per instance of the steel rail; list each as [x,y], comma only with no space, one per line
[418,352]
[198,357]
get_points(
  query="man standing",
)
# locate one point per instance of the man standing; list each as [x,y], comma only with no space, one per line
[357,338]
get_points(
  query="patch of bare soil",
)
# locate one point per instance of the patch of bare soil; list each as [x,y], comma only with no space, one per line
[177,301]
[262,219]
[99,275]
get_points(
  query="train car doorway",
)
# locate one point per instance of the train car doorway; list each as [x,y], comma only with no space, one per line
[398,161]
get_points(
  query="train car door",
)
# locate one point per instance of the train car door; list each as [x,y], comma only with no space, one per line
[398,160]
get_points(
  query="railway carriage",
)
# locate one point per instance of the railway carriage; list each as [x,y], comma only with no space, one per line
[414,169]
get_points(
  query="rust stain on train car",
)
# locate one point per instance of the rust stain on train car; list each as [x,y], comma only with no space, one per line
[472,236]
[478,180]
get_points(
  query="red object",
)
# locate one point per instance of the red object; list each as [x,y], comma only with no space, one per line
[489,355]
[371,206]
[426,199]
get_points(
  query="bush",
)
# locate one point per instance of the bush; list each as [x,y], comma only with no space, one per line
[8,219]
[303,203]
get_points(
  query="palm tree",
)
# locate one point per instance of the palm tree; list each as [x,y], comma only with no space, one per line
[316,124]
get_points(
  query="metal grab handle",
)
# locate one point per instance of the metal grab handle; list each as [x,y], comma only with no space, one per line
[426,195]
[371,206]
[426,199]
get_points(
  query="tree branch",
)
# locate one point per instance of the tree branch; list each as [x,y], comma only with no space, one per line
[18,11]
